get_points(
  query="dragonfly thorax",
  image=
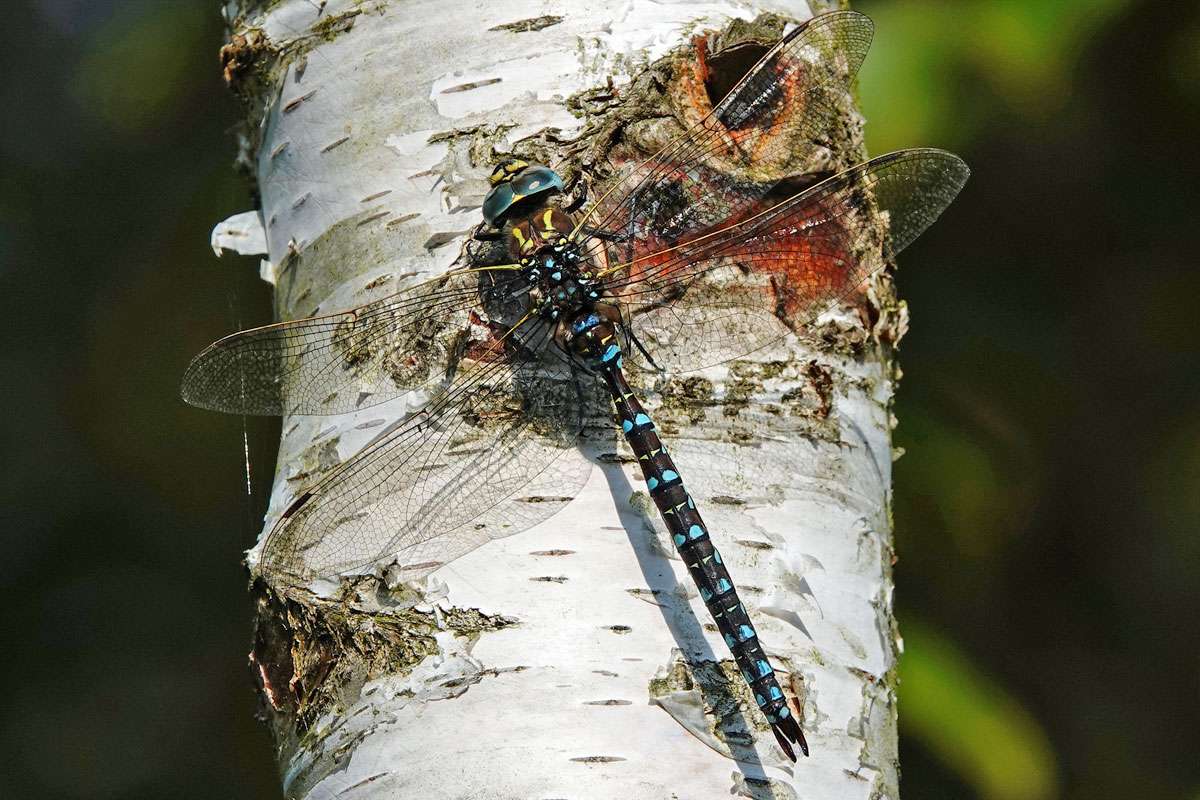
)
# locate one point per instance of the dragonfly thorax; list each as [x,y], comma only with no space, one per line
[561,281]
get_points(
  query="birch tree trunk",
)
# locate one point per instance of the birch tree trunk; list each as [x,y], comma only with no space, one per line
[573,660]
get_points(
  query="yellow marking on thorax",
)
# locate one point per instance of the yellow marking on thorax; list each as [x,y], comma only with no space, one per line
[516,232]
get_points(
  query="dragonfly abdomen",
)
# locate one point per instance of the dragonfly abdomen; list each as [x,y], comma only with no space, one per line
[703,560]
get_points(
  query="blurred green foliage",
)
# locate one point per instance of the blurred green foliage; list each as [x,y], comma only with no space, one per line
[1046,509]
[124,512]
[970,722]
[1023,51]
[132,69]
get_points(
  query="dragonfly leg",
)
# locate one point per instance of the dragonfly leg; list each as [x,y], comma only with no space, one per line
[579,195]
[641,349]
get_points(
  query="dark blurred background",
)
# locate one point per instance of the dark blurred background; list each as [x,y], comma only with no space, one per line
[1047,509]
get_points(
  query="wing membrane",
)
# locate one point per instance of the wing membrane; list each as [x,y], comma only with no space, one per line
[792,260]
[703,325]
[473,466]
[781,112]
[342,362]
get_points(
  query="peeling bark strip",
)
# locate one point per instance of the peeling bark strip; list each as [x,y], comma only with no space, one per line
[370,129]
[526,25]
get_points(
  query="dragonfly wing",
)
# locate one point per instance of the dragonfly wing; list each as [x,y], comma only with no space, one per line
[492,455]
[790,262]
[342,362]
[701,324]
[781,113]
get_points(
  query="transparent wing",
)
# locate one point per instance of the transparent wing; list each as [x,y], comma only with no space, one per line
[697,326]
[342,362]
[492,455]
[781,112]
[739,288]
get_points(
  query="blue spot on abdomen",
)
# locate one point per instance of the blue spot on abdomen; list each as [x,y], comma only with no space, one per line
[584,323]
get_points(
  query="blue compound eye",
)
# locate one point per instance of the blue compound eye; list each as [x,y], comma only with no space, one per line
[536,178]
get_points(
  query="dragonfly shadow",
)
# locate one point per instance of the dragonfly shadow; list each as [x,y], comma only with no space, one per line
[669,595]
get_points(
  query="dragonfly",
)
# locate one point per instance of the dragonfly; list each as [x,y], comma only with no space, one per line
[704,252]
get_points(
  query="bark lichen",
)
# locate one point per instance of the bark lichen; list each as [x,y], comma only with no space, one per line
[312,655]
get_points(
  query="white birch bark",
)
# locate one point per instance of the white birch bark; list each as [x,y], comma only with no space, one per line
[551,664]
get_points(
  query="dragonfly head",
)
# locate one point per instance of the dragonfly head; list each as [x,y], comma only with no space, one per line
[514,180]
